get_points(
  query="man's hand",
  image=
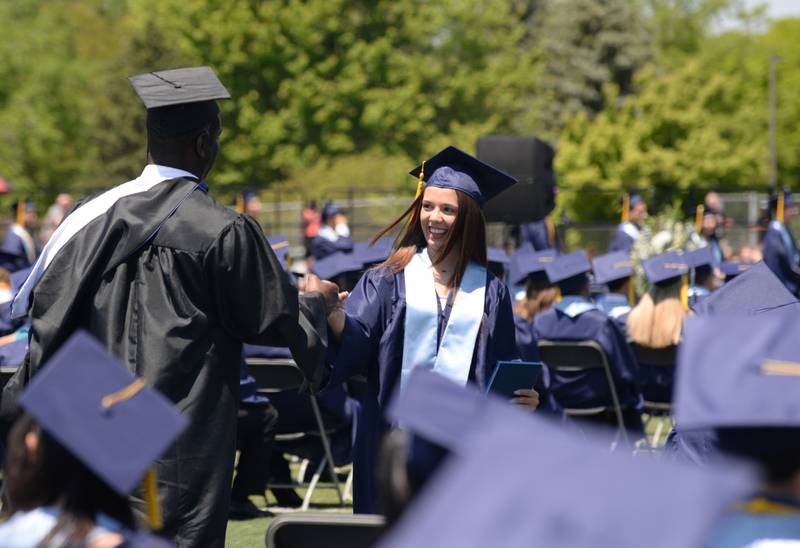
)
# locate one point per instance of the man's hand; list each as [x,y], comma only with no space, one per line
[329,290]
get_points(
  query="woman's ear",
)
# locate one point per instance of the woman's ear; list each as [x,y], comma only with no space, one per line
[31,446]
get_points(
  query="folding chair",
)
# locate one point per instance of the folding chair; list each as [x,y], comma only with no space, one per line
[277,374]
[6,372]
[324,530]
[656,358]
[569,357]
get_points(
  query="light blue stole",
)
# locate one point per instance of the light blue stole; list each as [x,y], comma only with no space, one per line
[573,306]
[454,356]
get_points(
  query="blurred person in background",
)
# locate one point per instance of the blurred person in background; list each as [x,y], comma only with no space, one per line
[55,214]
[333,235]
[312,219]
[656,321]
[632,225]
[19,240]
[779,247]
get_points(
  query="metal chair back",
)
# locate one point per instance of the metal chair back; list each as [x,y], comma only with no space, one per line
[576,356]
[324,530]
[277,374]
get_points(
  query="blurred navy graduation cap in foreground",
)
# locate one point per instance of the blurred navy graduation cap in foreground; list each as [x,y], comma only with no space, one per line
[455,169]
[373,253]
[101,413]
[280,245]
[755,291]
[332,266]
[738,372]
[540,486]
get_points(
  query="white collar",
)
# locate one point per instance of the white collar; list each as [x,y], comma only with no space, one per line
[155,171]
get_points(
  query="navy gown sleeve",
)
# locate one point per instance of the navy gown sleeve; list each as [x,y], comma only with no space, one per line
[526,342]
[256,301]
[366,309]
[779,260]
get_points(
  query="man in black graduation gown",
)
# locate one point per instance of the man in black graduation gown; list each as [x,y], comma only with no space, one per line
[172,282]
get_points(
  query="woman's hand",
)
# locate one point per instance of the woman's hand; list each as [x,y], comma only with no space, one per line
[526,398]
[337,317]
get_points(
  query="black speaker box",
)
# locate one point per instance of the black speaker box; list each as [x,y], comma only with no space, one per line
[530,161]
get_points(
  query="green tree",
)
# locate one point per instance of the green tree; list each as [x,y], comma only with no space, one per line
[586,45]
[317,80]
[702,125]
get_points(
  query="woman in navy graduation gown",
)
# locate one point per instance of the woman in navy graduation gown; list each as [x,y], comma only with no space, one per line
[432,304]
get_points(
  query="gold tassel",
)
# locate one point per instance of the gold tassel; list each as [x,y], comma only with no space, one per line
[421,181]
[551,230]
[698,218]
[632,290]
[779,212]
[685,292]
[626,207]
[558,294]
[150,488]
[20,213]
[240,202]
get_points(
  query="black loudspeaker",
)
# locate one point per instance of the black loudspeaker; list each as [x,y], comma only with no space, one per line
[530,161]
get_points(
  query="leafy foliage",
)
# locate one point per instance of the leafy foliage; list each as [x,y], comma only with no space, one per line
[702,125]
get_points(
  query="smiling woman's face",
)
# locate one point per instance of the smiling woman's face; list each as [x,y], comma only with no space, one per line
[438,216]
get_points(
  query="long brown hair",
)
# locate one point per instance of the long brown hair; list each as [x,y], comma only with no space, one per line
[468,237]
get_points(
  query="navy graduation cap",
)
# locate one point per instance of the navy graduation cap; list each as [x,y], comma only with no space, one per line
[101,413]
[567,266]
[336,264]
[280,245]
[699,258]
[737,371]
[612,266]
[454,168]
[497,255]
[756,291]
[591,494]
[731,269]
[179,101]
[665,267]
[529,262]
[373,253]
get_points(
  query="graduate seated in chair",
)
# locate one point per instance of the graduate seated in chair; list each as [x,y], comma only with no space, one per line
[64,483]
[740,377]
[284,412]
[656,321]
[615,270]
[575,318]
[703,279]
[19,241]
[333,235]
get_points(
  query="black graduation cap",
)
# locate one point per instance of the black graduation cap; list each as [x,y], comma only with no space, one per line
[454,168]
[180,101]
